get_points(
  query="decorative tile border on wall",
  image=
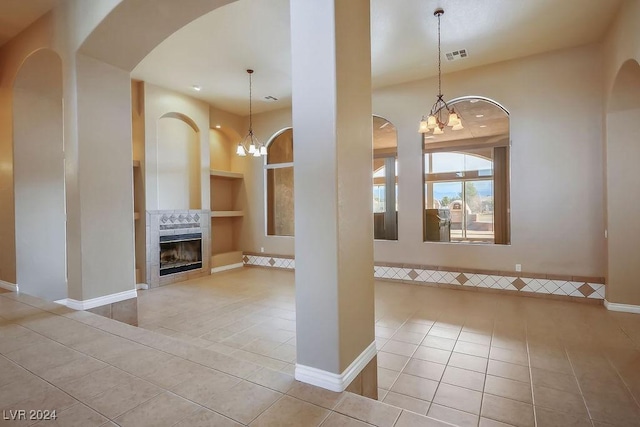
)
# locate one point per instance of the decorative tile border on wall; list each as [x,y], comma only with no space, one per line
[268,260]
[591,288]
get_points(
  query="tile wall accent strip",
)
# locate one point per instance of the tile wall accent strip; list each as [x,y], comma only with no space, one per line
[541,284]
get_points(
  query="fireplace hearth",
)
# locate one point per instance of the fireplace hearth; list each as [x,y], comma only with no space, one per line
[181,252]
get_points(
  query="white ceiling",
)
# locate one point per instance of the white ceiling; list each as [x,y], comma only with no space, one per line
[16,15]
[215,50]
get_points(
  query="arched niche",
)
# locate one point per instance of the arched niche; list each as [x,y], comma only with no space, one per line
[178,158]
[39,187]
[623,205]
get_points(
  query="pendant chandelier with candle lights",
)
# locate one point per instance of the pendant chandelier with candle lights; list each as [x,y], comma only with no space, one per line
[441,115]
[250,143]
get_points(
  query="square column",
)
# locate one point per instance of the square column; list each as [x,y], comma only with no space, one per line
[332,127]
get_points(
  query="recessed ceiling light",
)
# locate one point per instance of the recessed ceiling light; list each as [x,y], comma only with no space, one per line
[218,126]
[483,126]
[197,88]
[479,115]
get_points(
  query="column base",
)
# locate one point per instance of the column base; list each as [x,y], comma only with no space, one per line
[340,382]
[122,306]
[625,308]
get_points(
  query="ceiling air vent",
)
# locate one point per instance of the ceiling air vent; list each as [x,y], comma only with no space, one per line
[270,98]
[456,54]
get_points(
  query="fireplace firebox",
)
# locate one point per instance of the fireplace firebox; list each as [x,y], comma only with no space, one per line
[180,253]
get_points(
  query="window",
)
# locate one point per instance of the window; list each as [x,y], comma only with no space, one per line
[279,171]
[385,180]
[466,177]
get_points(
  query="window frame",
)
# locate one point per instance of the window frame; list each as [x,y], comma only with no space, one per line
[266,168]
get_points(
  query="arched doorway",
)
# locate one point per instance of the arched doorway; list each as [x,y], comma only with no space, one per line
[40,217]
[623,205]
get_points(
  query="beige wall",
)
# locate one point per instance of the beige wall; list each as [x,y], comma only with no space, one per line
[178,110]
[556,172]
[39,177]
[178,157]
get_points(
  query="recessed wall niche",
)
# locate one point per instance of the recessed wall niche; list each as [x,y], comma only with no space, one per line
[178,163]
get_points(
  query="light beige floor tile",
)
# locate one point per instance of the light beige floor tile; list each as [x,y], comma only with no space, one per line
[509,356]
[420,388]
[439,342]
[439,331]
[464,378]
[406,402]
[95,383]
[611,409]
[205,418]
[560,401]
[399,348]
[289,411]
[509,370]
[386,378]
[408,337]
[77,415]
[507,411]
[466,361]
[411,419]
[475,338]
[164,410]
[76,368]
[555,380]
[243,402]
[510,389]
[123,397]
[272,379]
[548,418]
[424,369]
[338,420]
[487,422]
[432,354]
[453,416]
[316,395]
[202,388]
[392,361]
[459,398]
[368,410]
[473,349]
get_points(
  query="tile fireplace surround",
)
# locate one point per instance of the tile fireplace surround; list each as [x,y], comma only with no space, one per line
[171,223]
[577,288]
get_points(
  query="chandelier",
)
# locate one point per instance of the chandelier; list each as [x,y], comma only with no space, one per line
[250,144]
[441,114]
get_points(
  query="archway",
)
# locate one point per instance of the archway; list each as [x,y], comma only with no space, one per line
[623,206]
[40,217]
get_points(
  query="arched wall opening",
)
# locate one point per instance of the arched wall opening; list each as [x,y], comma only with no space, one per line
[467,178]
[178,163]
[623,205]
[39,186]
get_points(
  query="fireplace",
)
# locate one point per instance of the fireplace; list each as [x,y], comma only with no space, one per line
[182,252]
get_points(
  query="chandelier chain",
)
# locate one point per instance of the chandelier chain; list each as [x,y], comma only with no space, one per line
[439,61]
[250,106]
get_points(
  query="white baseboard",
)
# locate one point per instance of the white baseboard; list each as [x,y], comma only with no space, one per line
[335,382]
[226,267]
[625,308]
[8,286]
[143,286]
[98,302]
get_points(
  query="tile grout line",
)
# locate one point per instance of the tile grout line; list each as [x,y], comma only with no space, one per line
[486,374]
[533,396]
[573,371]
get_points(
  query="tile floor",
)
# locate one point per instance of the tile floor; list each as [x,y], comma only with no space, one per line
[221,350]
